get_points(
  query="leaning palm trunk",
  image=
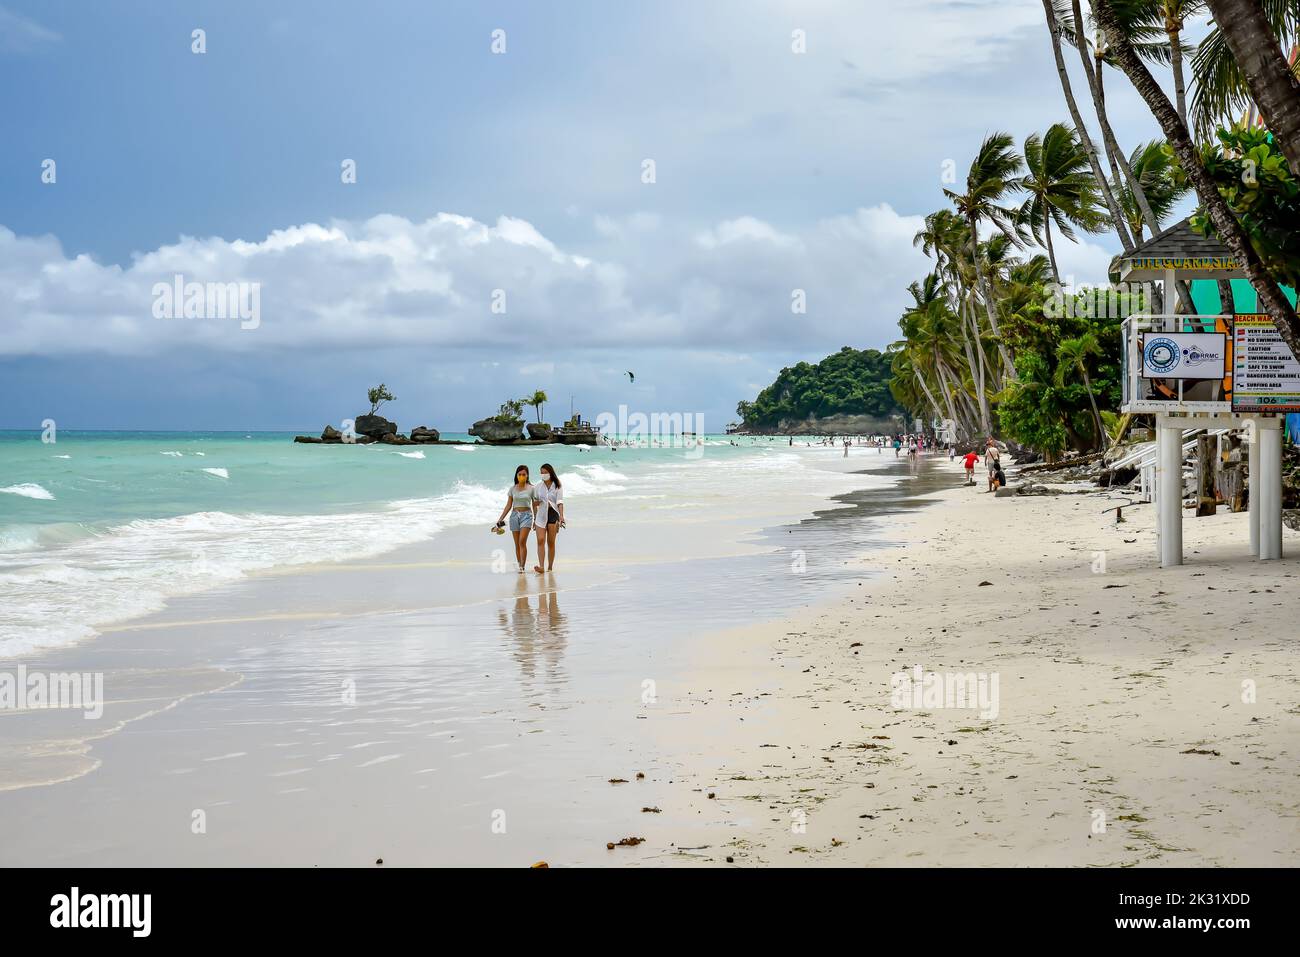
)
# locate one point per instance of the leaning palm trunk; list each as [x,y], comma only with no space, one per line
[1096,415]
[1225,223]
[1174,29]
[1116,214]
[934,405]
[1226,304]
[1051,252]
[976,367]
[1273,86]
[1108,135]
[944,387]
[986,293]
[1100,96]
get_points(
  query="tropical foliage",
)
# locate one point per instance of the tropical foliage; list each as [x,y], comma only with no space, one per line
[990,337]
[378,396]
[848,382]
[1253,176]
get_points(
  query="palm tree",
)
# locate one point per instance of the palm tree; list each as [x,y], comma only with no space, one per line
[1139,40]
[993,174]
[1174,13]
[1225,223]
[906,383]
[1221,91]
[1116,215]
[926,327]
[1072,356]
[537,400]
[1060,187]
[1250,35]
[946,237]
[1155,168]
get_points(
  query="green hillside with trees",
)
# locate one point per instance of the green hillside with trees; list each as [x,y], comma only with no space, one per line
[848,382]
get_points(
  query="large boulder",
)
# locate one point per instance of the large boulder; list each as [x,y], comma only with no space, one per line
[331,434]
[422,434]
[395,438]
[496,432]
[374,426]
[542,432]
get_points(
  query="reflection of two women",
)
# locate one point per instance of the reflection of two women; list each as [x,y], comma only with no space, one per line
[538,631]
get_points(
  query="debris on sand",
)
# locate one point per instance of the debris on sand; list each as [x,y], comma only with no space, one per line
[626,842]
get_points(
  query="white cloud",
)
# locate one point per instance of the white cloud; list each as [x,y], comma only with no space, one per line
[388,281]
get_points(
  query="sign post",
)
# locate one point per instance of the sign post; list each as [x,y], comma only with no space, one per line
[1265,375]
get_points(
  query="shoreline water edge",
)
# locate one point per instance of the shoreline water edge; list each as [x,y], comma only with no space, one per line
[651,569]
[938,677]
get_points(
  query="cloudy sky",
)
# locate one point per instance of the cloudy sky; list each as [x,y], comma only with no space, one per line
[501,235]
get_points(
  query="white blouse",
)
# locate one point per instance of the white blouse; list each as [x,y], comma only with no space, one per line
[552,496]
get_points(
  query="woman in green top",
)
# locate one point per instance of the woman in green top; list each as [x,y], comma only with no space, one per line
[521,504]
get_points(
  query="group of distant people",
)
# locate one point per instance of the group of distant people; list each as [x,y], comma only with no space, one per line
[992,456]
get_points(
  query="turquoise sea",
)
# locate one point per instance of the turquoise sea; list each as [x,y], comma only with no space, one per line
[100,527]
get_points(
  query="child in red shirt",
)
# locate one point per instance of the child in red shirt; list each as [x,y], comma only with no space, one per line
[969,460]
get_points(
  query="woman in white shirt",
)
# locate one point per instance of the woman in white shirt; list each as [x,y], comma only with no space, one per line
[550,517]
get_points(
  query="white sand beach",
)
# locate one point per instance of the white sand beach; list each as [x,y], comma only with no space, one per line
[499,720]
[1121,738]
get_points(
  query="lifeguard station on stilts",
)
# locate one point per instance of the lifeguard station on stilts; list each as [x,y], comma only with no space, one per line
[1196,371]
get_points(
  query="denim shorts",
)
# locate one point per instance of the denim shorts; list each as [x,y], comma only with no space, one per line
[520,520]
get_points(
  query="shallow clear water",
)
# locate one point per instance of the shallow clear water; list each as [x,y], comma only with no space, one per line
[102,527]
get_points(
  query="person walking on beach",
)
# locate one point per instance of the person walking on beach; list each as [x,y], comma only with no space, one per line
[991,456]
[897,446]
[969,460]
[846,448]
[550,517]
[521,504]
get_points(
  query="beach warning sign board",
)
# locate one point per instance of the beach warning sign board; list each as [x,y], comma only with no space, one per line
[1265,373]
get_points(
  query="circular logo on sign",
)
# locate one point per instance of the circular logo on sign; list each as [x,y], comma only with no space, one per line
[1161,356]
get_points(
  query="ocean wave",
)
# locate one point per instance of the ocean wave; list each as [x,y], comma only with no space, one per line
[131,570]
[29,490]
[219,473]
[411,455]
[602,473]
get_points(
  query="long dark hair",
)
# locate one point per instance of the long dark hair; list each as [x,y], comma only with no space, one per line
[547,467]
[524,469]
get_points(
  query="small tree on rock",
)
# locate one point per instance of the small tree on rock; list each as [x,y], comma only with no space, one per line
[378,396]
[537,400]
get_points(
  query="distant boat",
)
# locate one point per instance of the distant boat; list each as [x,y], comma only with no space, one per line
[577,432]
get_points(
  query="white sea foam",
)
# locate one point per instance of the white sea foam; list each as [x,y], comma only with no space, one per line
[411,455]
[219,473]
[131,570]
[29,490]
[63,456]
[463,448]
[174,455]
